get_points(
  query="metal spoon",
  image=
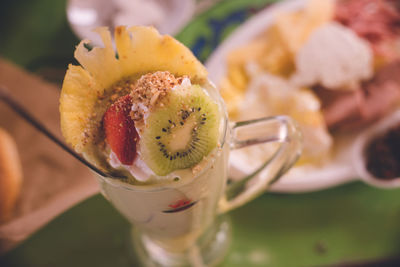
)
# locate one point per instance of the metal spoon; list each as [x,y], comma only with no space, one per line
[21,111]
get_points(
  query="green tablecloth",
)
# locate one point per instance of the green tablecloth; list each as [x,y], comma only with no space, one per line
[345,224]
[349,223]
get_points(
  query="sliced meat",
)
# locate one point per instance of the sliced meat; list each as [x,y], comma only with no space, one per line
[343,109]
[377,21]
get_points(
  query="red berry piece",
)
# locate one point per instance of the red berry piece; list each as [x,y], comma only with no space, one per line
[120,131]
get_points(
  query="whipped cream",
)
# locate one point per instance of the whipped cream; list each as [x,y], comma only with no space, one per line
[140,107]
[138,169]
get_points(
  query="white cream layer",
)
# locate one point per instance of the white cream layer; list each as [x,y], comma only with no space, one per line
[138,169]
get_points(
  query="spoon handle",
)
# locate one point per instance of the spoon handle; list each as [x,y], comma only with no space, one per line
[17,108]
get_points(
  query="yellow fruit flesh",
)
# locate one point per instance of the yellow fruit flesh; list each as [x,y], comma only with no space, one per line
[88,88]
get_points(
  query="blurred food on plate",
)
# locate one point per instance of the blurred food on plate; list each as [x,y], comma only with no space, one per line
[10,176]
[330,65]
[371,99]
[274,49]
[52,180]
[383,154]
[378,22]
[335,57]
[263,99]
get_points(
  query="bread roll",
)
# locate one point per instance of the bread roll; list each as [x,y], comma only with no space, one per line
[10,176]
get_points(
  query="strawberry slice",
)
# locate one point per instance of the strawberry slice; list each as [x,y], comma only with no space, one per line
[120,131]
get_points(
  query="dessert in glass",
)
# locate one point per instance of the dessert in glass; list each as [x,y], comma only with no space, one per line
[149,118]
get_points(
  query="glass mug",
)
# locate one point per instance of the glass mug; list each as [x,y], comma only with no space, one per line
[178,223]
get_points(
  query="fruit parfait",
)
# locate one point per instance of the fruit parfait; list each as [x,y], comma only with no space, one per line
[147,115]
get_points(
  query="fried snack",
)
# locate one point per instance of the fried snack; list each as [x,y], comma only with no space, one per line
[88,90]
[263,99]
[295,28]
[10,176]
[274,50]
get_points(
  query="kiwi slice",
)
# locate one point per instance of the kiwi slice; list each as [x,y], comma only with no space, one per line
[181,132]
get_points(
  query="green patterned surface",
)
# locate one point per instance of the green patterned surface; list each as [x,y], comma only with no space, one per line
[210,28]
[349,223]
[35,33]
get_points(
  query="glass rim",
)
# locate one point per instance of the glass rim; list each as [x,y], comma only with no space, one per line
[167,185]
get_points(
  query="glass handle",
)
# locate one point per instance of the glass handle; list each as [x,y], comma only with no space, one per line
[281,130]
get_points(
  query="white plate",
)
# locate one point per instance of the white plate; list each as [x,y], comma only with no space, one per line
[341,168]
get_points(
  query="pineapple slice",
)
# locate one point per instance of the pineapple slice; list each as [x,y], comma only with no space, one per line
[88,89]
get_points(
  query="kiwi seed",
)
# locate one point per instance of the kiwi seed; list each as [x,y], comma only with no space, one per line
[181,133]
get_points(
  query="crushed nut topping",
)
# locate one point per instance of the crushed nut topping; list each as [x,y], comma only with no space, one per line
[149,90]
[146,93]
